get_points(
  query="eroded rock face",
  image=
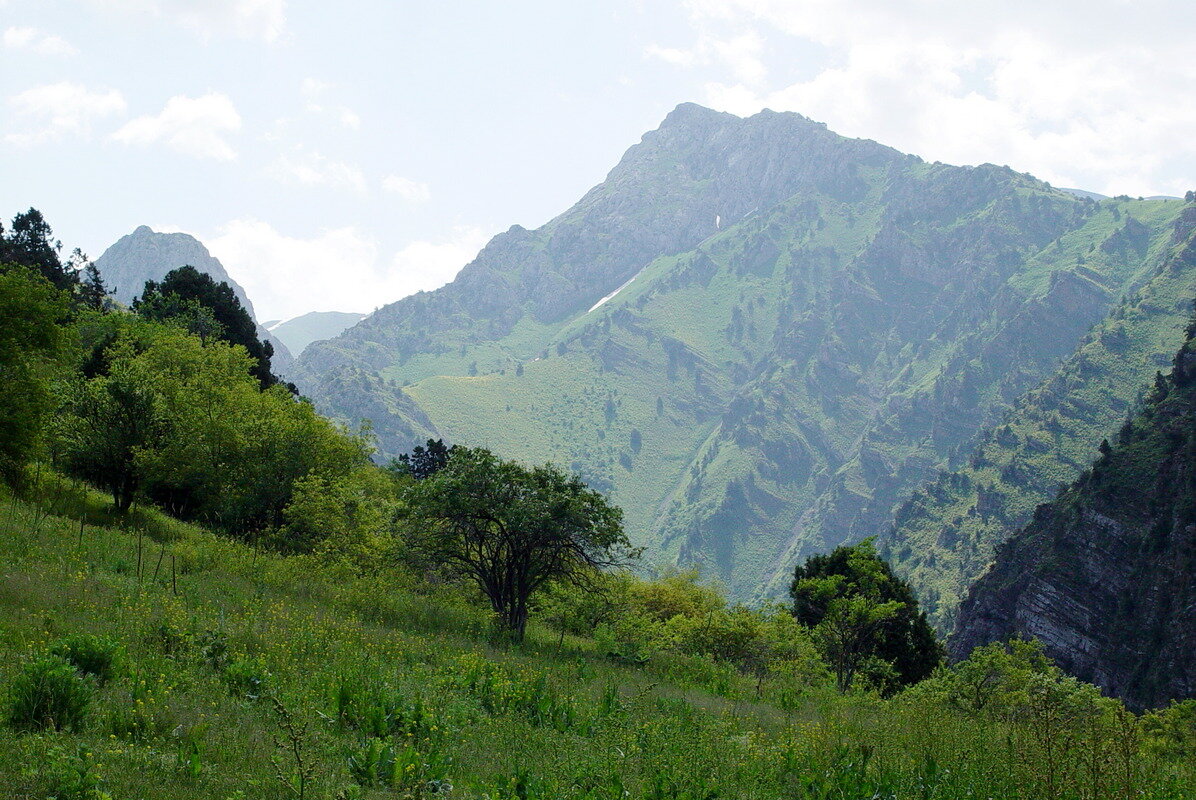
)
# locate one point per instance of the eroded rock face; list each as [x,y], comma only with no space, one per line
[1105,576]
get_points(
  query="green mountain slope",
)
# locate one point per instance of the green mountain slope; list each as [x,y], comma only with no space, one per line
[1103,576]
[943,536]
[757,335]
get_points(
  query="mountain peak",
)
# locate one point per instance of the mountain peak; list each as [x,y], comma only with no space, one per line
[143,230]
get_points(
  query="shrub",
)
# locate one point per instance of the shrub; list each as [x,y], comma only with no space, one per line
[403,767]
[74,777]
[48,693]
[247,677]
[97,656]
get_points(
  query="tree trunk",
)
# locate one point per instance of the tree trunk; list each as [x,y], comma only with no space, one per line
[515,619]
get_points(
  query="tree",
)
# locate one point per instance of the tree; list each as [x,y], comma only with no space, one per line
[31,341]
[176,298]
[423,462]
[31,244]
[848,634]
[880,628]
[92,292]
[512,530]
[112,419]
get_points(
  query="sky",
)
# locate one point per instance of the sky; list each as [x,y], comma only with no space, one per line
[339,156]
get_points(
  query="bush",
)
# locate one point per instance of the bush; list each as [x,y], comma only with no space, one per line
[74,777]
[48,693]
[97,656]
[247,677]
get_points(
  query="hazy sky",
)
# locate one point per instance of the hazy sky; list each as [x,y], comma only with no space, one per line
[341,155]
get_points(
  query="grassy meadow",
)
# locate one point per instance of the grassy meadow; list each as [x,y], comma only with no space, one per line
[229,672]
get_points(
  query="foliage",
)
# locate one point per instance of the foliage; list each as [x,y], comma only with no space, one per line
[97,656]
[48,693]
[423,462]
[511,529]
[74,776]
[30,243]
[111,421]
[864,617]
[31,342]
[185,423]
[346,515]
[207,308]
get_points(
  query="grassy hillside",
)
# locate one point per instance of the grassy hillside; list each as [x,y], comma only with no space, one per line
[945,534]
[221,647]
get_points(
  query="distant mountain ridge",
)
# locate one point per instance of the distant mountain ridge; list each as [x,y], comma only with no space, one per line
[145,255]
[315,326]
[758,335]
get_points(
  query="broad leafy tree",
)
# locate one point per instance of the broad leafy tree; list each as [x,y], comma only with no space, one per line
[112,421]
[31,341]
[512,530]
[184,294]
[865,617]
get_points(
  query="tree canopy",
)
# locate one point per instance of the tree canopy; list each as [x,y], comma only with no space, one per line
[206,308]
[865,617]
[512,529]
[31,342]
[423,461]
[30,242]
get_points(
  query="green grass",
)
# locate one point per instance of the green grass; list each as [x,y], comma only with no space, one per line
[208,645]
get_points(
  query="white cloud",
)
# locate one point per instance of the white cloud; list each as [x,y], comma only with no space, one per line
[246,19]
[33,40]
[409,190]
[194,126]
[308,168]
[337,270]
[313,91]
[422,266]
[741,53]
[59,110]
[1099,105]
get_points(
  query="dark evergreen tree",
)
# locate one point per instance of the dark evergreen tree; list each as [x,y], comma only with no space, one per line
[92,292]
[31,243]
[424,461]
[177,296]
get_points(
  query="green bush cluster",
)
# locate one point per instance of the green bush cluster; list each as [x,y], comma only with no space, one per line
[98,656]
[49,693]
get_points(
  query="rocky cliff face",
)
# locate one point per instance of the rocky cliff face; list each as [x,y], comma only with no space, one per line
[757,335]
[146,255]
[1105,575]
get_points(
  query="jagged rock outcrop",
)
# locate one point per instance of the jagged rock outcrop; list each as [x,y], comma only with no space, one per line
[1105,576]
[146,255]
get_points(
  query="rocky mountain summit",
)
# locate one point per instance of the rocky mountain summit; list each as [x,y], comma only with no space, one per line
[145,255]
[759,336]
